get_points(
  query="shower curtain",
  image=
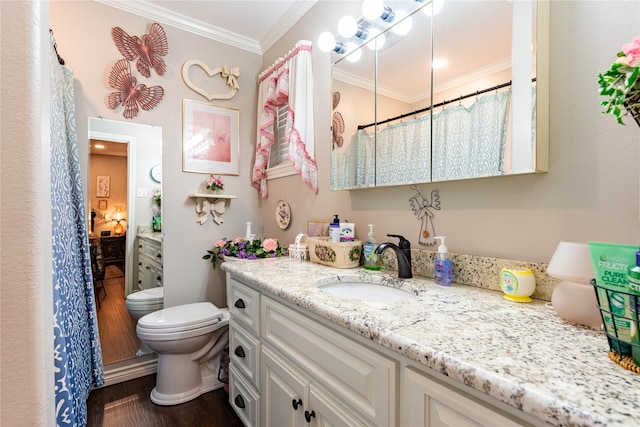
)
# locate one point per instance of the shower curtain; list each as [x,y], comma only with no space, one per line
[77,353]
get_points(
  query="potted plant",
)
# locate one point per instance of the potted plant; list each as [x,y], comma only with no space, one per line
[243,249]
[620,84]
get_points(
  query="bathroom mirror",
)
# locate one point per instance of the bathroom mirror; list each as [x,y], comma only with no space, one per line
[476,38]
[120,187]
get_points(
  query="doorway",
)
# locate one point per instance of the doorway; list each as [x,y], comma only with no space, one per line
[109,213]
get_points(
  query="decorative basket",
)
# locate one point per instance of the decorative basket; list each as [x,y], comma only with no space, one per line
[334,254]
[621,323]
[632,103]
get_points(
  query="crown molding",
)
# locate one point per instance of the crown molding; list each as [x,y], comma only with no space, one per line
[182,22]
[284,24]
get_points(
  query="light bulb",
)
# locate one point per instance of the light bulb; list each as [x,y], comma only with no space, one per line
[402,28]
[377,39]
[372,9]
[347,26]
[354,53]
[326,42]
[433,8]
[439,63]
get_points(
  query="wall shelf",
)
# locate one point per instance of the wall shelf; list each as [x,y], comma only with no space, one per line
[210,203]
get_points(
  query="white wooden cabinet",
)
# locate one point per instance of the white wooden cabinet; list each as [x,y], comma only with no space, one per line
[337,381]
[149,263]
[290,368]
[428,403]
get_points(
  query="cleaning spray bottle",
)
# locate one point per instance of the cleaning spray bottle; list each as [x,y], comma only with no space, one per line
[443,264]
[369,246]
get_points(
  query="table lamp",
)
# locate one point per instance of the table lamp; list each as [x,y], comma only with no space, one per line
[574,298]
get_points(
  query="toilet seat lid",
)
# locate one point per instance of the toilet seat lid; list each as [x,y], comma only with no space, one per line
[187,316]
[152,295]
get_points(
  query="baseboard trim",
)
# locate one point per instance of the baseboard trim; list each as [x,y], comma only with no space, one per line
[130,369]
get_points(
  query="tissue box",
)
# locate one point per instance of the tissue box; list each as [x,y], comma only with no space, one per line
[334,254]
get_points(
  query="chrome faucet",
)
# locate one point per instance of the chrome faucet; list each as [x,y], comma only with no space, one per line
[403,253]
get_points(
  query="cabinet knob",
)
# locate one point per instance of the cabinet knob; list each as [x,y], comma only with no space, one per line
[308,415]
[139,282]
[239,401]
[159,256]
[296,404]
[159,278]
[140,263]
[239,351]
[240,303]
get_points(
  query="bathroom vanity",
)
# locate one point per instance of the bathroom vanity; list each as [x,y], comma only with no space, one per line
[149,261]
[454,355]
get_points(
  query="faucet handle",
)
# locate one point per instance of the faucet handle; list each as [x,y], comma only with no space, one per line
[404,243]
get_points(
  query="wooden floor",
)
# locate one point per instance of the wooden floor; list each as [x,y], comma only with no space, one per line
[117,328]
[128,404]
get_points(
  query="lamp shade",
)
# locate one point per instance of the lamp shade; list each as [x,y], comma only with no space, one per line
[572,300]
[572,262]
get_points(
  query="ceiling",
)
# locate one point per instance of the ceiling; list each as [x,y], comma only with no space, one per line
[253,25]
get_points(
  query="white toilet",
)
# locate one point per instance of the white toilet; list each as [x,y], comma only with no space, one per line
[189,340]
[140,304]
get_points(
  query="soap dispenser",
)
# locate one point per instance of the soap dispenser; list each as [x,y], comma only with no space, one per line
[369,247]
[443,264]
[334,229]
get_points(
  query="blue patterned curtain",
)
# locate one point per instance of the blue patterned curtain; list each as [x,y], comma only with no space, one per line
[77,353]
[470,142]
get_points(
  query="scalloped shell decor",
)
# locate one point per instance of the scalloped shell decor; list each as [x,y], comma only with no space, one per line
[231,74]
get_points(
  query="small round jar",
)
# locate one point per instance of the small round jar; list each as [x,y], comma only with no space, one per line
[518,284]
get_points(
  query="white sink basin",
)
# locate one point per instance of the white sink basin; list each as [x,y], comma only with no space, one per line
[363,289]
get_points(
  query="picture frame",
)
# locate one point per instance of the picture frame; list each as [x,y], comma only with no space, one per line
[210,138]
[103,186]
[102,204]
[318,227]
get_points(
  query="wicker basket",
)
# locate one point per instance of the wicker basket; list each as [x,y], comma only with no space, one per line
[632,103]
[334,254]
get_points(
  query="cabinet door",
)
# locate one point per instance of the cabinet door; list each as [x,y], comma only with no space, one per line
[284,392]
[431,404]
[326,412]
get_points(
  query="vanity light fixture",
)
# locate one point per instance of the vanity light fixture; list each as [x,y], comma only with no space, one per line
[349,27]
[378,39]
[327,43]
[354,53]
[374,9]
[574,299]
[402,28]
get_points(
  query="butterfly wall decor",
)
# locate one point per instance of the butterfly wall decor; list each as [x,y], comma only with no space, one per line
[147,49]
[130,95]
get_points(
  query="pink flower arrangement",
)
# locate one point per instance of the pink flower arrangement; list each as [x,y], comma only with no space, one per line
[243,248]
[621,84]
[215,183]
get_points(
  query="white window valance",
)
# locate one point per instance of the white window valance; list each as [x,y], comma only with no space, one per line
[288,81]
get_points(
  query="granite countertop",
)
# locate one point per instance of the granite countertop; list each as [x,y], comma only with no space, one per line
[151,236]
[521,354]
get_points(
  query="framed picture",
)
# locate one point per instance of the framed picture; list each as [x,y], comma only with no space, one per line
[102,204]
[209,138]
[318,227]
[102,187]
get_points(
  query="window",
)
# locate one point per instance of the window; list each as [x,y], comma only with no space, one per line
[279,163]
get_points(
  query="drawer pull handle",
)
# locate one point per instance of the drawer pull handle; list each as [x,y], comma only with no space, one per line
[240,303]
[308,415]
[296,404]
[159,256]
[239,401]
[159,278]
[239,351]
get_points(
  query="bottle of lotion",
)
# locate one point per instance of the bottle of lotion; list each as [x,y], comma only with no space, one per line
[443,264]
